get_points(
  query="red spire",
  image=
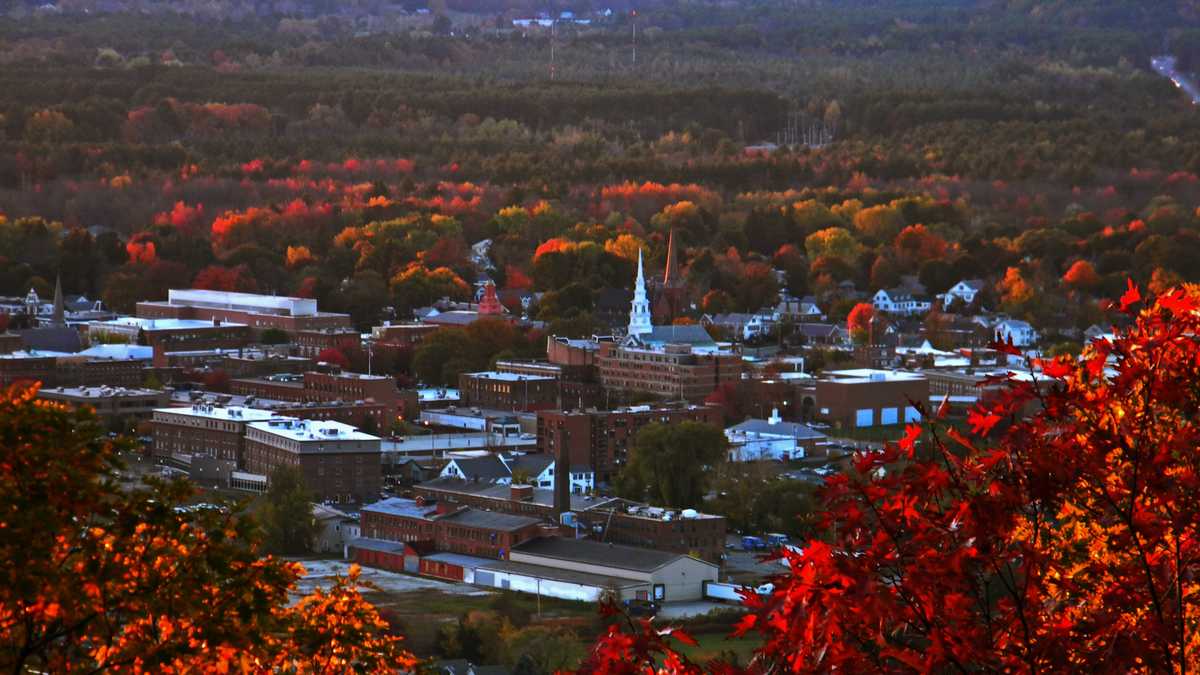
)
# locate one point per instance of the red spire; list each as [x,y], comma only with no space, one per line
[490,304]
[671,276]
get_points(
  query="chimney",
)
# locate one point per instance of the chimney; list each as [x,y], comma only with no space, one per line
[562,476]
[521,493]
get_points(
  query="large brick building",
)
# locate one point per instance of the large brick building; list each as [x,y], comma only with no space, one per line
[866,397]
[670,371]
[508,391]
[174,335]
[340,463]
[204,430]
[110,403]
[377,393]
[312,341]
[618,521]
[601,438]
[259,312]
[69,370]
[449,527]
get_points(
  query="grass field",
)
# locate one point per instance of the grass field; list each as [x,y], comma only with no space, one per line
[713,645]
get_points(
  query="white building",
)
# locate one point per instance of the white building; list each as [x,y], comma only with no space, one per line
[963,292]
[771,439]
[499,469]
[901,302]
[1019,332]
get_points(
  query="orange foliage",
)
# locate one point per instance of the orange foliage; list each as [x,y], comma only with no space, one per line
[141,249]
[1081,275]
[299,256]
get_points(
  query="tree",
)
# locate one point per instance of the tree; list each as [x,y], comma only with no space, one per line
[1081,276]
[833,242]
[287,515]
[1061,540]
[335,356]
[858,323]
[274,336]
[671,464]
[106,579]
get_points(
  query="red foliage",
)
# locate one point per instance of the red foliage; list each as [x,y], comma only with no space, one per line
[1081,275]
[218,278]
[859,320]
[916,243]
[515,278]
[141,249]
[331,355]
[187,219]
[1059,535]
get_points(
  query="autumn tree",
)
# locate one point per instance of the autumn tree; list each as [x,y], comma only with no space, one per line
[858,322]
[104,578]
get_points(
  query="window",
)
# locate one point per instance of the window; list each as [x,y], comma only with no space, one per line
[864,417]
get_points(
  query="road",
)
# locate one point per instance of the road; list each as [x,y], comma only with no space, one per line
[1165,66]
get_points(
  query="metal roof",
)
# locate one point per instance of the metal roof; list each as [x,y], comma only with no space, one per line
[597,553]
[490,520]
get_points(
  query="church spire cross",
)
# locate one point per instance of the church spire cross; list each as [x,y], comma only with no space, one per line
[639,312]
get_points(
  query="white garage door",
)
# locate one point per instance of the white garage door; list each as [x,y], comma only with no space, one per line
[889,416]
[911,414]
[865,418]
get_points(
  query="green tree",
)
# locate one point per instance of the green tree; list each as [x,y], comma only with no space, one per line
[274,336]
[287,515]
[544,650]
[672,465]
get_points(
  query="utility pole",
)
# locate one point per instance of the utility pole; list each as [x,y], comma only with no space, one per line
[553,34]
[634,15]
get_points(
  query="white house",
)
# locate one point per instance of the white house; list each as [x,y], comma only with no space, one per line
[334,529]
[1020,332]
[963,292]
[499,469]
[745,326]
[804,309]
[770,439]
[899,301]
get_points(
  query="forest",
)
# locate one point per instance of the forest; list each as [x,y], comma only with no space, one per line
[799,146]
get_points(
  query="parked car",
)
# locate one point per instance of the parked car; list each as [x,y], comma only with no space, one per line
[776,539]
[641,607]
[753,543]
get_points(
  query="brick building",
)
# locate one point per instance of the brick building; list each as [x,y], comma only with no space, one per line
[618,521]
[450,527]
[578,386]
[173,335]
[69,370]
[259,312]
[312,341]
[377,391]
[670,371]
[601,438]
[866,397]
[340,463]
[508,391]
[205,430]
[110,403]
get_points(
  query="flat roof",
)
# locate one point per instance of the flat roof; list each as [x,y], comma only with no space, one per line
[556,574]
[541,496]
[599,553]
[381,545]
[312,430]
[232,413]
[162,324]
[233,300]
[399,506]
[99,392]
[861,375]
[510,377]
[466,561]
[490,520]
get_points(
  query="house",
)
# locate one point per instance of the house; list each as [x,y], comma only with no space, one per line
[822,333]
[799,308]
[741,325]
[334,529]
[1020,333]
[773,439]
[963,292]
[901,302]
[537,469]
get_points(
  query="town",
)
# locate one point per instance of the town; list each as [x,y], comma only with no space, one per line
[517,479]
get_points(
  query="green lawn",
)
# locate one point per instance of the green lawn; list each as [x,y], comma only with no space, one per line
[712,645]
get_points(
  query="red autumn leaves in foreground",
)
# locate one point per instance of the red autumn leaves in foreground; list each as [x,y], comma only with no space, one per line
[99,579]
[1059,535]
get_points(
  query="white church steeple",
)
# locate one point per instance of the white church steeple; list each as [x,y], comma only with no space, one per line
[639,314]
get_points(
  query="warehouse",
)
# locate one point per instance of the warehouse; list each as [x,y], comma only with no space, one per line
[557,583]
[649,574]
